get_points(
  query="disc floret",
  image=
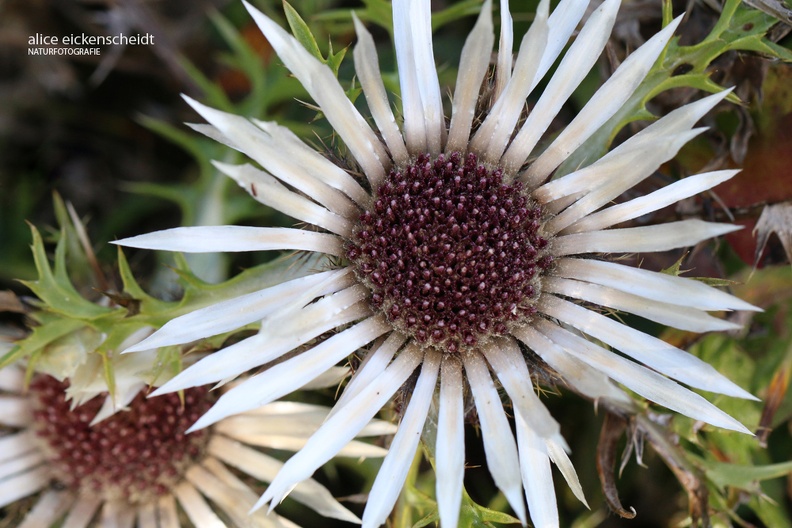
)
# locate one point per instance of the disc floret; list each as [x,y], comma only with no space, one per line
[136,455]
[451,251]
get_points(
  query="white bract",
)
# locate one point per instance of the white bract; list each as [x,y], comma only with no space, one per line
[88,474]
[456,255]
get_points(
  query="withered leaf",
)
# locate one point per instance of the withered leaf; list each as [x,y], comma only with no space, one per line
[612,430]
[776,219]
[9,302]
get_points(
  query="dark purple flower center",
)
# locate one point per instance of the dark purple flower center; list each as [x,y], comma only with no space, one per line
[450,251]
[135,455]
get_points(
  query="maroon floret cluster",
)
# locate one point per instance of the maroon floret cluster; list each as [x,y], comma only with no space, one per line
[134,455]
[451,252]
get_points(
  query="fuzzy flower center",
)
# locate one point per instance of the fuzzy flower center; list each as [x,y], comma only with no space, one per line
[450,251]
[135,455]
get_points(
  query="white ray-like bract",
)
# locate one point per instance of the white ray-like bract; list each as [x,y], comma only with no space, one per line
[461,265]
[201,483]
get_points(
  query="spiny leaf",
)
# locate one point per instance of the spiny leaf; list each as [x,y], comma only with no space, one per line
[739,28]
[55,289]
[302,32]
[40,337]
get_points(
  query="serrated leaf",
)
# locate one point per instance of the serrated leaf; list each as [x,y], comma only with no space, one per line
[739,28]
[302,32]
[55,289]
[40,337]
[131,286]
[477,516]
[334,60]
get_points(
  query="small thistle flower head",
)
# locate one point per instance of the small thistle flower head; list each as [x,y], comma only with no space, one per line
[140,466]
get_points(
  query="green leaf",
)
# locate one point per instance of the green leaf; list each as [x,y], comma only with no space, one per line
[477,516]
[55,289]
[455,12]
[302,32]
[40,337]
[739,28]
[214,94]
[744,477]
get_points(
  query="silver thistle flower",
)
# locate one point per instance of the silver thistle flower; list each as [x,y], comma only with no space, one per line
[138,468]
[456,253]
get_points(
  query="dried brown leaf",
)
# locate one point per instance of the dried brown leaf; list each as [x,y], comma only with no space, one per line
[776,219]
[9,302]
[612,430]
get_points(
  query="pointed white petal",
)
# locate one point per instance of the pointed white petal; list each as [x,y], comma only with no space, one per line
[494,134]
[649,350]
[393,472]
[280,420]
[536,475]
[211,239]
[235,501]
[450,448]
[21,464]
[561,460]
[573,68]
[654,201]
[373,365]
[643,239]
[505,50]
[17,444]
[168,515]
[12,379]
[84,509]
[368,72]
[651,285]
[509,365]
[292,374]
[15,411]
[269,344]
[312,162]
[48,509]
[331,378]
[147,515]
[562,24]
[322,85]
[250,461]
[279,160]
[253,431]
[265,468]
[196,508]
[424,124]
[684,318]
[243,310]
[499,444]
[576,374]
[603,104]
[118,514]
[614,175]
[473,66]
[342,426]
[676,122]
[23,484]
[641,380]
[268,191]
